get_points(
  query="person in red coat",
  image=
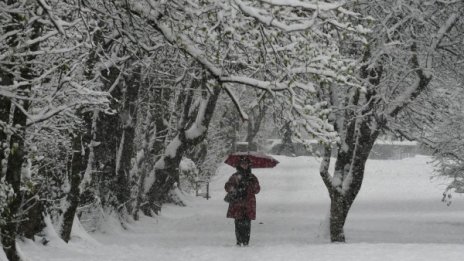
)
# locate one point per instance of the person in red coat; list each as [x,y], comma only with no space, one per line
[245,185]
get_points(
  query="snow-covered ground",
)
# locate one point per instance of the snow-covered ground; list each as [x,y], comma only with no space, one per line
[398,215]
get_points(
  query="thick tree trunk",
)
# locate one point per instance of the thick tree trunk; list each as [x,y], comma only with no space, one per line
[13,176]
[78,167]
[6,79]
[156,141]
[167,173]
[17,154]
[143,165]
[338,214]
[5,106]
[350,166]
[126,153]
[107,135]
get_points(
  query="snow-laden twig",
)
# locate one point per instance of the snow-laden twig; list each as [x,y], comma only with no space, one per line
[188,46]
[271,21]
[55,20]
[49,51]
[234,99]
[423,75]
[323,6]
[440,35]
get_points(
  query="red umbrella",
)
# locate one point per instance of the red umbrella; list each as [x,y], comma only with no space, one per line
[257,159]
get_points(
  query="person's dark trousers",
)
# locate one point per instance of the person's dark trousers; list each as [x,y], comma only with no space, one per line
[242,231]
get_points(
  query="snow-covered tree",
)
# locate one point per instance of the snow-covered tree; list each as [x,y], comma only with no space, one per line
[238,42]
[41,50]
[435,118]
[397,64]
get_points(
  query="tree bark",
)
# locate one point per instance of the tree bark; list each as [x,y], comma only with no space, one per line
[128,122]
[16,150]
[167,172]
[13,174]
[78,167]
[107,135]
[13,177]
[350,165]
[286,147]
[338,214]
[156,141]
[5,106]
[254,124]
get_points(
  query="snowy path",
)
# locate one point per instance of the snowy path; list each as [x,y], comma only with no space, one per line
[397,216]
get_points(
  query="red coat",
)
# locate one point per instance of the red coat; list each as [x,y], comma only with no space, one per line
[246,207]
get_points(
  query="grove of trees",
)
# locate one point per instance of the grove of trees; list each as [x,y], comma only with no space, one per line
[103,102]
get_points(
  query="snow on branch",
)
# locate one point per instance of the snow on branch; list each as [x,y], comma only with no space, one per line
[49,51]
[423,76]
[8,34]
[198,128]
[34,119]
[190,48]
[46,36]
[55,20]
[270,20]
[323,6]
[449,1]
[234,99]
[264,85]
[440,35]
[327,73]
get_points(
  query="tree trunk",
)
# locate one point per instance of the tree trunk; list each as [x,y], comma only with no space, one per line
[350,167]
[13,177]
[5,106]
[254,124]
[6,79]
[156,141]
[33,221]
[16,154]
[128,120]
[107,135]
[338,213]
[143,164]
[167,173]
[286,147]
[13,174]
[78,167]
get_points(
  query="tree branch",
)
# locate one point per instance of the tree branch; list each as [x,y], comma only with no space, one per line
[324,169]
[58,23]
[235,101]
[271,21]
[424,77]
[323,6]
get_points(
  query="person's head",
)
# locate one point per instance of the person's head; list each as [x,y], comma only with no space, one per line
[244,163]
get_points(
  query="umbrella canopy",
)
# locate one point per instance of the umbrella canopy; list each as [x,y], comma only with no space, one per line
[257,159]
